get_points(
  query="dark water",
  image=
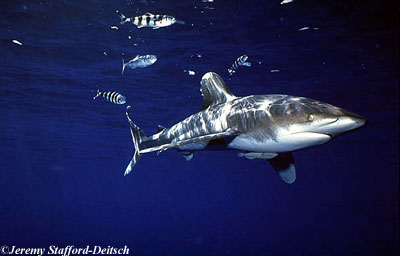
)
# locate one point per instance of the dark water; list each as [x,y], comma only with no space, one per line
[62,155]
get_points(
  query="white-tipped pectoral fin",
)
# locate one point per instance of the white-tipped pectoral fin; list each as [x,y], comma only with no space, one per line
[284,166]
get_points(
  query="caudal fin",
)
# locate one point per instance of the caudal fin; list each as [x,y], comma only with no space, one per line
[123,66]
[180,22]
[137,137]
[123,18]
[97,95]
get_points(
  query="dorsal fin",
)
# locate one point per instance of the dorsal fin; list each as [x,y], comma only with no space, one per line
[214,90]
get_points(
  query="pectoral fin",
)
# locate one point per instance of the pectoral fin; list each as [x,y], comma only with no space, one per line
[284,166]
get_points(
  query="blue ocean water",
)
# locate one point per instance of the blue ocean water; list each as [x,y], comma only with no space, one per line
[62,155]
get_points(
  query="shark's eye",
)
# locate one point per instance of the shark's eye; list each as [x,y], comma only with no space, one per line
[310,117]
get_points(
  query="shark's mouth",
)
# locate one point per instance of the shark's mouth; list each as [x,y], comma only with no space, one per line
[327,128]
[341,126]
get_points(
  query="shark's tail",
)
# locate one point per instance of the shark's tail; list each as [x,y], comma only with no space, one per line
[137,136]
[123,66]
[124,19]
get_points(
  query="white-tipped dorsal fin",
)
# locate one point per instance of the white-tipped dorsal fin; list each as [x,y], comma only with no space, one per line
[214,90]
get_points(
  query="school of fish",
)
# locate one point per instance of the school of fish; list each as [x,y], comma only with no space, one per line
[156,21]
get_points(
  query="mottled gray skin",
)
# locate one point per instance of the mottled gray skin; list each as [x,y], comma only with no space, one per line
[258,116]
[266,127]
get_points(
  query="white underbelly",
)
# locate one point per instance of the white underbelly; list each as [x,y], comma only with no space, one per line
[286,143]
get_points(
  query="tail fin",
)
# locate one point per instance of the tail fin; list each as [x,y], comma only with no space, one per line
[123,66]
[97,95]
[137,137]
[180,22]
[122,17]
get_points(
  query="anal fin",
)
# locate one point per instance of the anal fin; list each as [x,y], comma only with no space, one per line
[284,166]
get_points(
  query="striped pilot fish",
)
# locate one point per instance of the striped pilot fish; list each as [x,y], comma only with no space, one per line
[150,20]
[241,61]
[112,97]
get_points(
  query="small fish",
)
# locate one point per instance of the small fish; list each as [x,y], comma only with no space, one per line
[112,97]
[150,20]
[241,61]
[16,42]
[190,72]
[139,62]
[286,1]
[304,28]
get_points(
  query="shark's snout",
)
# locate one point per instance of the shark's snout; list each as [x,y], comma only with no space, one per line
[351,122]
[344,123]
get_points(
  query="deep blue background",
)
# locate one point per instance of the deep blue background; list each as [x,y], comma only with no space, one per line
[62,155]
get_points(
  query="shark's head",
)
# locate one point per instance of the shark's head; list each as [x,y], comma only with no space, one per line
[304,122]
[330,121]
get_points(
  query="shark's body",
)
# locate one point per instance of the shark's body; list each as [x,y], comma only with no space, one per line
[264,126]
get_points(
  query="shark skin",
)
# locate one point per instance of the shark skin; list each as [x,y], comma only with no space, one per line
[266,127]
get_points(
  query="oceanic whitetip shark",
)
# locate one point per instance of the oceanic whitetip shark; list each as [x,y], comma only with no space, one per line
[266,127]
